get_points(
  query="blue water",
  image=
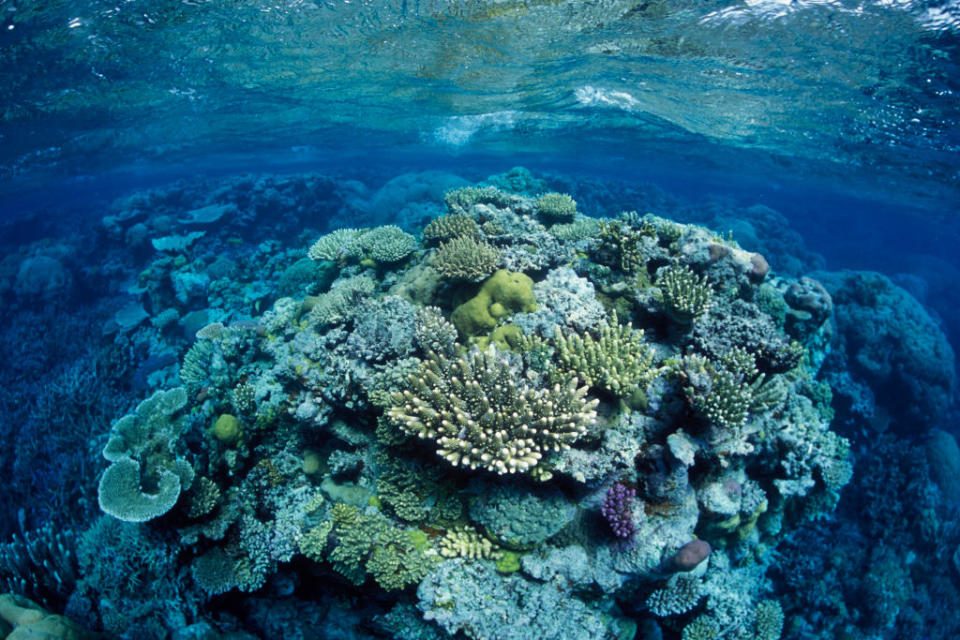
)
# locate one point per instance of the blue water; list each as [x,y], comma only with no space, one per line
[823,136]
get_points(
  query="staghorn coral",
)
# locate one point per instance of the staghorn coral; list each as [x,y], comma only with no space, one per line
[40,565]
[455,225]
[680,595]
[685,296]
[340,245]
[388,244]
[466,542]
[460,200]
[616,360]
[434,332]
[718,395]
[466,258]
[557,207]
[482,416]
[768,620]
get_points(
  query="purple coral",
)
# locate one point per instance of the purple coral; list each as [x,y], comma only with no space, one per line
[618,510]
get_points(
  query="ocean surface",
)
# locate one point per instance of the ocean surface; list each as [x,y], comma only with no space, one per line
[486,319]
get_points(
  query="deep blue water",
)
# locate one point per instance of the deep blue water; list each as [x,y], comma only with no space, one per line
[822,136]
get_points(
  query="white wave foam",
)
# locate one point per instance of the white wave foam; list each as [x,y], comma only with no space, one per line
[456,131]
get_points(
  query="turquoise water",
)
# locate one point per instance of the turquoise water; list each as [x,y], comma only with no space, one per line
[170,177]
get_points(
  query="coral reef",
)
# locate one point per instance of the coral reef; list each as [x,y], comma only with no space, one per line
[608,428]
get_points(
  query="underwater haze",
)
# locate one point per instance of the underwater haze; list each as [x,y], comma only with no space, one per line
[480,319]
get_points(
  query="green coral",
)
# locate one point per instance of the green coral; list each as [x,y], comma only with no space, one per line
[405,488]
[740,362]
[466,542]
[145,477]
[508,562]
[368,543]
[340,245]
[767,393]
[579,229]
[618,245]
[244,399]
[728,402]
[196,364]
[481,414]
[460,200]
[456,225]
[505,292]
[227,429]
[313,544]
[558,207]
[434,332]
[355,533]
[340,304]
[702,628]
[684,295]
[617,360]
[466,258]
[768,621]
[388,244]
[680,595]
[218,571]
[400,559]
[718,395]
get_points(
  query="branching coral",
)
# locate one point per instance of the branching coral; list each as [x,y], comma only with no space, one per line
[340,245]
[434,332]
[617,510]
[460,200]
[616,360]
[466,258]
[340,303]
[482,415]
[718,395]
[455,225]
[685,296]
[388,244]
[558,207]
[681,594]
[466,542]
[368,543]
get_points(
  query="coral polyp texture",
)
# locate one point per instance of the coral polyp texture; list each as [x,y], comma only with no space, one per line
[518,430]
[482,414]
